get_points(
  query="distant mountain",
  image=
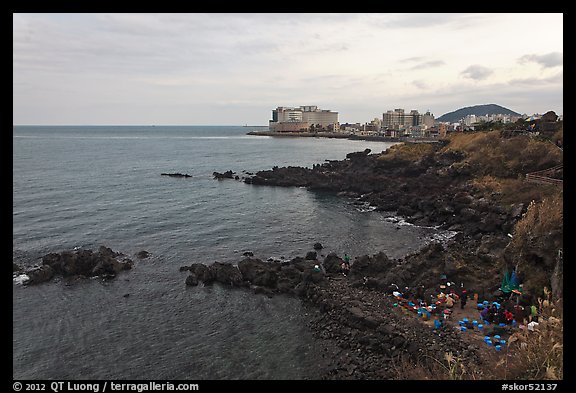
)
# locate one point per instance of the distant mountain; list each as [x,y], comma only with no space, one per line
[478,110]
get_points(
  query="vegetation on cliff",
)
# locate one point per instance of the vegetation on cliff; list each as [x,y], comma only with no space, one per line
[476,184]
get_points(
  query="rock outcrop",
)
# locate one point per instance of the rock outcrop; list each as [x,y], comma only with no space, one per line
[184,175]
[81,263]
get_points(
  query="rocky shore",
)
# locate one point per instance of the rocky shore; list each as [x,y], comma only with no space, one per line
[75,264]
[364,335]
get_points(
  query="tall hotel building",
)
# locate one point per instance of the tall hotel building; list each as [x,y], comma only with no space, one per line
[288,119]
[399,120]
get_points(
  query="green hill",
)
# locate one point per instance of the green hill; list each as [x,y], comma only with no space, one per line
[478,110]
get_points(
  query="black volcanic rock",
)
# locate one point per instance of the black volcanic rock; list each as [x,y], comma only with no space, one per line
[185,175]
[226,175]
[79,263]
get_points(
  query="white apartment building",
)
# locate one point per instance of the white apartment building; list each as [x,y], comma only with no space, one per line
[305,115]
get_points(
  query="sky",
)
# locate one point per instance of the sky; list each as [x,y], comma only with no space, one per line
[234,69]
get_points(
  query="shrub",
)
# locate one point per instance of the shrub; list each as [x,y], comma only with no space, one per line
[538,354]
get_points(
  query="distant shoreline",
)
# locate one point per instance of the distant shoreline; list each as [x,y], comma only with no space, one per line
[338,135]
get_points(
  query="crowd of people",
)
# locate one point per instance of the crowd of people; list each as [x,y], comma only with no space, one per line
[513,308]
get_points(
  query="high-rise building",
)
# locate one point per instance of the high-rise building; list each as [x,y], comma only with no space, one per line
[400,120]
[294,119]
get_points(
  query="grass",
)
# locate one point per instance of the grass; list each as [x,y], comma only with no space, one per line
[408,152]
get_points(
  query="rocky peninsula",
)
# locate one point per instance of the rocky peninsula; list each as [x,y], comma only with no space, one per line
[474,184]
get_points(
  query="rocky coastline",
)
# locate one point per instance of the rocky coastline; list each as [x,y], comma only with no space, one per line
[363,333]
[366,336]
[74,265]
[339,135]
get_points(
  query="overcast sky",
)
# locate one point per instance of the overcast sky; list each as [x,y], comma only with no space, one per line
[233,69]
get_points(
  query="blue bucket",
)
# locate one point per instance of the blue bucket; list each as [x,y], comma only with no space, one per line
[497,337]
[502,342]
[486,338]
[463,328]
[474,322]
[498,347]
[489,342]
[480,327]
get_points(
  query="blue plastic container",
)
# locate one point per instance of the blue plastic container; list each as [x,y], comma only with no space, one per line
[475,323]
[502,342]
[489,342]
[486,338]
[461,323]
[480,327]
[498,347]
[463,328]
[437,324]
[465,320]
[497,337]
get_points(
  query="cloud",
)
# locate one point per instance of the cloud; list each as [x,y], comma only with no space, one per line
[420,84]
[548,60]
[556,79]
[428,64]
[477,72]
[427,20]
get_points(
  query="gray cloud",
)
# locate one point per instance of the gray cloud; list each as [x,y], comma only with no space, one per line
[428,64]
[420,84]
[547,60]
[427,20]
[477,72]
[556,79]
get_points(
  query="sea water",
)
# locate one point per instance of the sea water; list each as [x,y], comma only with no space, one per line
[87,186]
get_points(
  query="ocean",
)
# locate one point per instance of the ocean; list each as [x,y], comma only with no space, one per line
[87,186]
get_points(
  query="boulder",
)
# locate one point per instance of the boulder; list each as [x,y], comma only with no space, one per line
[288,278]
[185,175]
[87,263]
[226,175]
[333,263]
[226,273]
[202,272]
[311,255]
[192,280]
[258,272]
[40,274]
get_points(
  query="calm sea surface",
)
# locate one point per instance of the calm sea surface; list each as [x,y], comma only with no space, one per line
[101,185]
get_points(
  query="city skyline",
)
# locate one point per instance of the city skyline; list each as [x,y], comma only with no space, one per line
[218,69]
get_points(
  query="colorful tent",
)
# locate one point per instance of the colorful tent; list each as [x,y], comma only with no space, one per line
[510,282]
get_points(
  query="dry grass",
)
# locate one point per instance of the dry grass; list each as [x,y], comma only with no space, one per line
[512,190]
[539,221]
[408,152]
[538,354]
[489,154]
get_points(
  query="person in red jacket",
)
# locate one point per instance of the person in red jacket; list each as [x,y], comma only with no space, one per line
[509,316]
